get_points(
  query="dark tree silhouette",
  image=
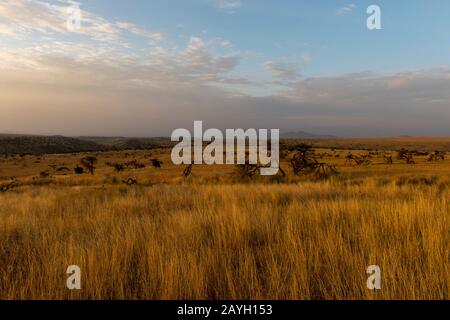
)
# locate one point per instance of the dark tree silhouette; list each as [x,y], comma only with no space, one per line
[437,156]
[359,160]
[89,163]
[405,154]
[304,161]
[388,159]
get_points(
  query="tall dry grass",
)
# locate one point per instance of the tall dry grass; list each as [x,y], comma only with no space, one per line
[311,240]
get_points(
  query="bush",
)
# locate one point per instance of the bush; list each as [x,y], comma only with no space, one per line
[78,170]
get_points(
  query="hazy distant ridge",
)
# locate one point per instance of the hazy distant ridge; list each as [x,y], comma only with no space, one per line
[34,144]
[45,144]
[305,135]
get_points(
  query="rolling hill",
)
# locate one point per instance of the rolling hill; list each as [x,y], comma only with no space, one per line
[35,144]
[28,144]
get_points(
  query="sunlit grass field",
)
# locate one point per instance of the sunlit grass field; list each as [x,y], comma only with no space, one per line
[216,235]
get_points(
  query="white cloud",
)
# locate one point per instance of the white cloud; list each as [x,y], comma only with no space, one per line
[195,59]
[161,67]
[18,17]
[289,68]
[131,27]
[229,4]
[345,9]
[25,18]
[283,71]
[106,48]
[226,44]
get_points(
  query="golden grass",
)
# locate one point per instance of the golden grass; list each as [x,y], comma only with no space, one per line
[299,240]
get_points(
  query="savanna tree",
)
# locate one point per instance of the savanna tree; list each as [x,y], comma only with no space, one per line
[89,163]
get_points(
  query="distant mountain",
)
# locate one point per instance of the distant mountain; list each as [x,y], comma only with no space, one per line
[305,135]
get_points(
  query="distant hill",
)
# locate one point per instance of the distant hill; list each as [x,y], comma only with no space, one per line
[122,143]
[429,144]
[35,144]
[305,135]
[20,144]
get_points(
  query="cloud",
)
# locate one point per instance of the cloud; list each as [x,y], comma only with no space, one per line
[280,70]
[19,17]
[106,48]
[27,18]
[195,59]
[133,28]
[94,64]
[289,68]
[226,44]
[229,5]
[415,102]
[106,91]
[345,9]
[99,85]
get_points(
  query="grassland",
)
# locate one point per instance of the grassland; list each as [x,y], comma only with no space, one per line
[216,235]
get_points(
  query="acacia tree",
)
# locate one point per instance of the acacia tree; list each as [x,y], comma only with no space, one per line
[436,156]
[388,159]
[405,154]
[89,163]
[304,161]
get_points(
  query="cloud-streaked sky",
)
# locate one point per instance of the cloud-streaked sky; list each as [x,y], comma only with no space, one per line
[147,67]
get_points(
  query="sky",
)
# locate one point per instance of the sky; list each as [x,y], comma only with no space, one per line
[147,67]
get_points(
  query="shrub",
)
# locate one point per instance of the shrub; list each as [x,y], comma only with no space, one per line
[78,170]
